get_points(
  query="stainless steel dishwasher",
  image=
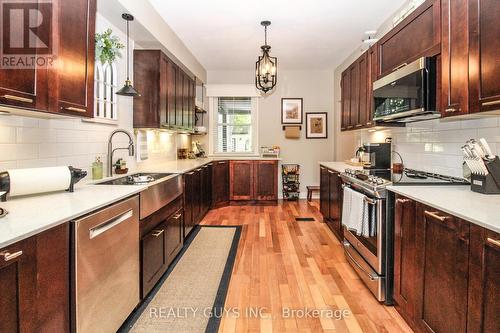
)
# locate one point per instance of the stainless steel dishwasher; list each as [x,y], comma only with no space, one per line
[105,274]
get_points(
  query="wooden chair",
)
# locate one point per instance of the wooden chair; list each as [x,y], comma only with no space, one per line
[310,190]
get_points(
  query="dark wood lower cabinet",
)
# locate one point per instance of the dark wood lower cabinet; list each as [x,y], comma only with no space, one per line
[484,281]
[241,180]
[34,283]
[405,273]
[253,180]
[197,196]
[265,180]
[220,183]
[161,241]
[443,258]
[445,271]
[331,200]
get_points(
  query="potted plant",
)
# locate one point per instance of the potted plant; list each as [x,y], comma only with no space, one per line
[107,47]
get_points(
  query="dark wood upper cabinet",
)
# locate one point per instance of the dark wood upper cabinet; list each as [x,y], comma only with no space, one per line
[172,70]
[373,69]
[265,180]
[416,36]
[484,282]
[68,86]
[484,55]
[241,180]
[454,57]
[26,88]
[405,274]
[363,112]
[345,100]
[179,98]
[151,80]
[442,248]
[75,57]
[34,283]
[220,183]
[354,80]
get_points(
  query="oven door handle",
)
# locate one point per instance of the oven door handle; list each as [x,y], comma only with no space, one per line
[370,276]
[370,201]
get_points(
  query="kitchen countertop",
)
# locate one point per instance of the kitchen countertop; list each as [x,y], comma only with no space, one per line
[339,166]
[460,201]
[33,214]
[30,215]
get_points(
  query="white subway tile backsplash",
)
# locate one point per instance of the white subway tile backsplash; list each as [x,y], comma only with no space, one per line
[434,145]
[35,135]
[7,135]
[64,135]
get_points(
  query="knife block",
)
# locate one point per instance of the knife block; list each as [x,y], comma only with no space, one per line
[490,183]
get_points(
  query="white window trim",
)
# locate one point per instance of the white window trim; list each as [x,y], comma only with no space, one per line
[212,111]
[106,85]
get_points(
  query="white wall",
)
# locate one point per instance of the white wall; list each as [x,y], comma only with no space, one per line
[29,142]
[315,87]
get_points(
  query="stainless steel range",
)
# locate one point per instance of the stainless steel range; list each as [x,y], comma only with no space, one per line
[371,256]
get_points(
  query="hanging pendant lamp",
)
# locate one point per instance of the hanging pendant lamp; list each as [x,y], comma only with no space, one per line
[266,67]
[128,89]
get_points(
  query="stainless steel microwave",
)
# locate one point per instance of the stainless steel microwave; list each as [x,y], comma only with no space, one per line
[408,94]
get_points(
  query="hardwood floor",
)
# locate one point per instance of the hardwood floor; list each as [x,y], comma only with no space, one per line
[283,265]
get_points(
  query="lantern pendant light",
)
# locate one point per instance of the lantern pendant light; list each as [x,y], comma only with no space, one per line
[266,67]
[128,89]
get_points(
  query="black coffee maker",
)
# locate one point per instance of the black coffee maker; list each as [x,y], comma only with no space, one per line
[378,156]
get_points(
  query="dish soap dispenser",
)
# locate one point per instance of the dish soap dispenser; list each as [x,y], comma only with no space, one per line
[97,169]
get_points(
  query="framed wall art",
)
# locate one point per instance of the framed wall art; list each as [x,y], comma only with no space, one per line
[316,125]
[291,110]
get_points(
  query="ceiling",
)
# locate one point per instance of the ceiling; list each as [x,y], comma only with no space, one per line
[304,34]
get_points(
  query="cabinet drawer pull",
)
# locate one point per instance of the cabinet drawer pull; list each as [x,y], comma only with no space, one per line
[18,99]
[359,125]
[70,108]
[7,256]
[402,201]
[490,103]
[493,241]
[436,216]
[177,216]
[450,110]
[157,233]
[400,66]
[331,172]
[223,162]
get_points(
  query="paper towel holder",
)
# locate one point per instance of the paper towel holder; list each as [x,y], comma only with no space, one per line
[299,126]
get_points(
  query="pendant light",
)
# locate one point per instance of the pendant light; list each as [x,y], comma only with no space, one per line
[266,67]
[128,89]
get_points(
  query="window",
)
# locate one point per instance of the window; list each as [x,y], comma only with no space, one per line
[234,125]
[105,88]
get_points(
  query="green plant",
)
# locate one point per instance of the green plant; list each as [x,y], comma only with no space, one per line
[107,47]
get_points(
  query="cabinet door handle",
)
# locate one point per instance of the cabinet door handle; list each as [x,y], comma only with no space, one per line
[434,215]
[450,110]
[7,256]
[18,99]
[490,103]
[359,125]
[223,162]
[493,241]
[400,66]
[177,216]
[70,108]
[402,201]
[157,233]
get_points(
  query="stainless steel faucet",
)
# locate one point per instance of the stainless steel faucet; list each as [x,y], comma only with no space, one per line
[130,148]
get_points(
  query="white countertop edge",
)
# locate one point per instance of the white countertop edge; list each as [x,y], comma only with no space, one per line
[77,214]
[470,218]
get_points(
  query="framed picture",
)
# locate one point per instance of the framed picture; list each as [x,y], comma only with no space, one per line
[316,125]
[291,110]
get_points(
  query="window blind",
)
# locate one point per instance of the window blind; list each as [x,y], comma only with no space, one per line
[233,128]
